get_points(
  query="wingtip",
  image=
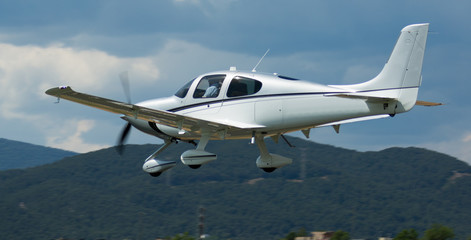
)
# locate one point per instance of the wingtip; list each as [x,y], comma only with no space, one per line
[58,90]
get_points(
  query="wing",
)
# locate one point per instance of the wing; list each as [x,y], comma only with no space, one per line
[167,118]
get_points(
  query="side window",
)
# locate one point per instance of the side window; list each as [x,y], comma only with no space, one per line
[209,86]
[241,86]
[181,93]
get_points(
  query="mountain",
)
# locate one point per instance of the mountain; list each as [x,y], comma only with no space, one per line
[14,154]
[368,194]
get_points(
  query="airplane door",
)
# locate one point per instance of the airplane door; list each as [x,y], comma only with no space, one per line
[207,97]
[239,105]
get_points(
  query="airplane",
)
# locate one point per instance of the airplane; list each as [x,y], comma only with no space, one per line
[233,104]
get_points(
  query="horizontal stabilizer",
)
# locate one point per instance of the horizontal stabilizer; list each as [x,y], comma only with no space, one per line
[427,104]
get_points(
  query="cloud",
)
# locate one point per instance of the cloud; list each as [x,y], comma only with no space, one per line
[27,71]
[69,136]
[208,7]
[306,39]
[467,138]
[459,147]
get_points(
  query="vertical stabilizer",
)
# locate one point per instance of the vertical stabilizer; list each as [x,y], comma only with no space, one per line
[402,74]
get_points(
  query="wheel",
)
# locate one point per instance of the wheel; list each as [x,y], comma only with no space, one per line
[156,174]
[268,169]
[194,166]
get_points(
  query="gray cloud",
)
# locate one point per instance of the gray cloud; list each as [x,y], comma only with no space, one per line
[331,42]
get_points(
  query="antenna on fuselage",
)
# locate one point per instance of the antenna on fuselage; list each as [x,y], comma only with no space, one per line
[259,61]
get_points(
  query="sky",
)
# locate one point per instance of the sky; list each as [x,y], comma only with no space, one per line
[164,44]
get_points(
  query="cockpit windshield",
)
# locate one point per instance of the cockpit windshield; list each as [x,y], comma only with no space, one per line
[181,93]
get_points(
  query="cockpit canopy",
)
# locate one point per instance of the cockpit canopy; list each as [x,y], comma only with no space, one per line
[211,86]
[181,93]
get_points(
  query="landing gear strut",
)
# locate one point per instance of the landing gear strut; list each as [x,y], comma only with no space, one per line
[269,162]
[196,157]
[155,167]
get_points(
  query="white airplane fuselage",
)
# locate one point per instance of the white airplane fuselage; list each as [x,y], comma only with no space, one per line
[282,105]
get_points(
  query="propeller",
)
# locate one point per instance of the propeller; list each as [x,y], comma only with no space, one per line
[122,139]
[124,77]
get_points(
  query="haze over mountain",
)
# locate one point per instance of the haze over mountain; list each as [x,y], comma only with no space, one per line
[14,154]
[103,195]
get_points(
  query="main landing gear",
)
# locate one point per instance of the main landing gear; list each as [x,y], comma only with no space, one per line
[197,157]
[194,158]
[269,162]
[155,167]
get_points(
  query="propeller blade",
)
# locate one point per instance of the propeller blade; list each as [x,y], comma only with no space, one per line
[122,138]
[124,77]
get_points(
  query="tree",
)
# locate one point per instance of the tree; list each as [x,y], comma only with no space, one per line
[438,232]
[292,235]
[340,235]
[301,233]
[184,236]
[407,234]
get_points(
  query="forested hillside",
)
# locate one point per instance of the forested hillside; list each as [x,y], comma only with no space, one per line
[103,195]
[14,154]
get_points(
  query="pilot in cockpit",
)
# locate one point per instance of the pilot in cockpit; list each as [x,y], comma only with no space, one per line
[213,89]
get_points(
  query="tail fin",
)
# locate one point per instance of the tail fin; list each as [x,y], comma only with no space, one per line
[402,75]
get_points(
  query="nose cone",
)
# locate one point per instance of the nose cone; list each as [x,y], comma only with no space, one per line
[139,124]
[125,118]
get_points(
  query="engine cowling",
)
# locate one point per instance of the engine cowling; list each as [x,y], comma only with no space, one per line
[197,158]
[155,167]
[271,162]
